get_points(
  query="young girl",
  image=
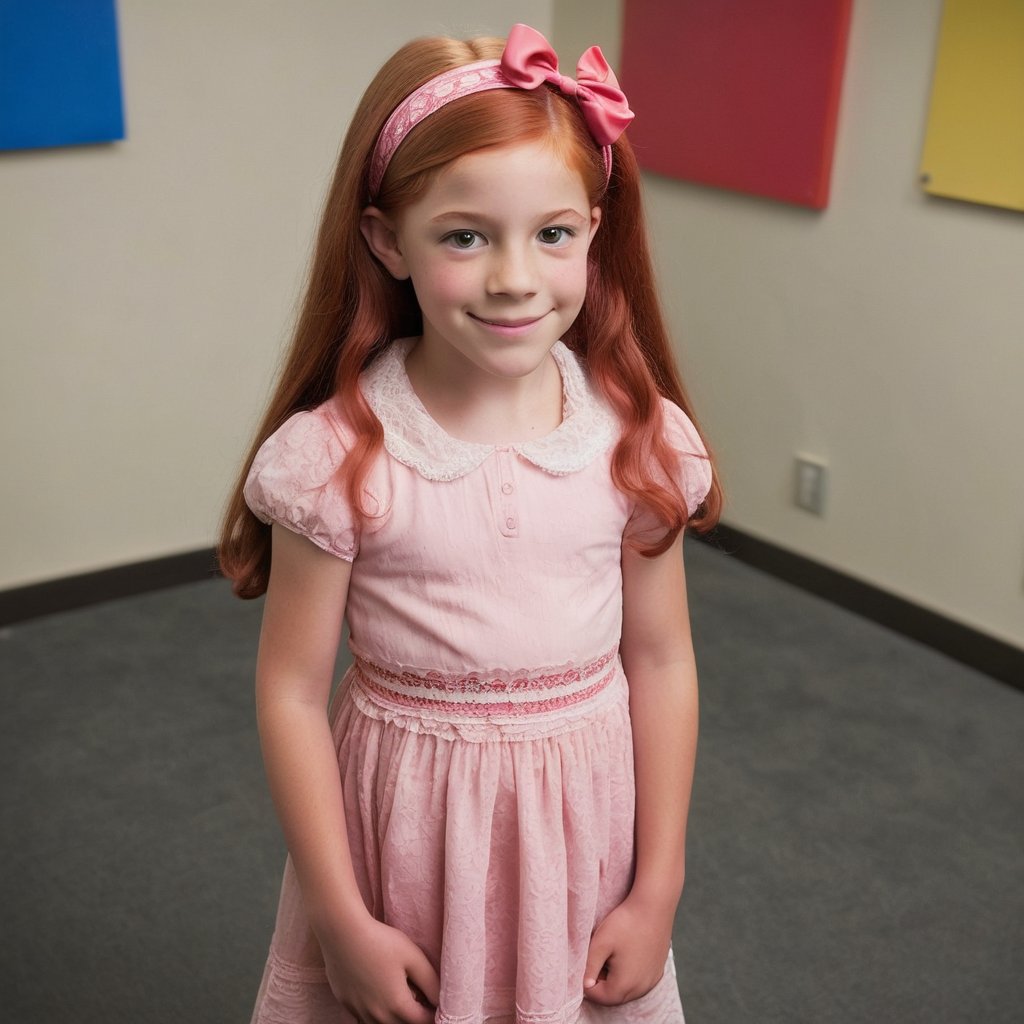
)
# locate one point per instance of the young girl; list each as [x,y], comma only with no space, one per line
[479,455]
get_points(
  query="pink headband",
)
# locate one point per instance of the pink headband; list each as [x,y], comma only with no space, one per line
[526,63]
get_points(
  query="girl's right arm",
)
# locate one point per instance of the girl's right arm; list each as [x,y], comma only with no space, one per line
[370,965]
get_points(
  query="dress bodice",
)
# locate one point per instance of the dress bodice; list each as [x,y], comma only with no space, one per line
[476,557]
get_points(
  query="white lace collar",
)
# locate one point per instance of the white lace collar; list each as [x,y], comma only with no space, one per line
[415,439]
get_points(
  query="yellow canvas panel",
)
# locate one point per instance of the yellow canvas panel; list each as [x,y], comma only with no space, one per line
[974,148]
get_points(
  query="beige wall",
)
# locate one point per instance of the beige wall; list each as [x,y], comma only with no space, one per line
[146,287]
[885,335]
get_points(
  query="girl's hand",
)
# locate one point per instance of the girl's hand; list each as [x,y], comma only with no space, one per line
[381,976]
[628,952]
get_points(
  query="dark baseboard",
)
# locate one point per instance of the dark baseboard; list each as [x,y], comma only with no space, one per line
[72,592]
[985,653]
[994,657]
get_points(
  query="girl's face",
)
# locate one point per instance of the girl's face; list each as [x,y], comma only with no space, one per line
[497,251]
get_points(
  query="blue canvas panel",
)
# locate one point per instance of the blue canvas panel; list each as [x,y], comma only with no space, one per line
[60,80]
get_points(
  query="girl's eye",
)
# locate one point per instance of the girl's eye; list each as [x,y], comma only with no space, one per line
[462,239]
[554,236]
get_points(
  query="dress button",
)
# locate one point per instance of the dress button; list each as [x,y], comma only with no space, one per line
[511,522]
[507,488]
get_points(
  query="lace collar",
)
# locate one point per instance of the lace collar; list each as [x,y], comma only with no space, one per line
[415,439]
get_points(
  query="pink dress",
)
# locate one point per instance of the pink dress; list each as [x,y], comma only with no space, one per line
[483,732]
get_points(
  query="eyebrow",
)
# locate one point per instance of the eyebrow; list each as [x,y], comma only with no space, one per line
[467,215]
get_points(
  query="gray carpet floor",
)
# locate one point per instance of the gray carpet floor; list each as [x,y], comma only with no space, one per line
[855,840]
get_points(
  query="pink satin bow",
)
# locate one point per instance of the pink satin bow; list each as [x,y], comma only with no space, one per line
[528,61]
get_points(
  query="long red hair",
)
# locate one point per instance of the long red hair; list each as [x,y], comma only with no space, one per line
[353,308]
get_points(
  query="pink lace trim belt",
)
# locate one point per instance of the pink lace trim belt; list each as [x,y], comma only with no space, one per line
[490,694]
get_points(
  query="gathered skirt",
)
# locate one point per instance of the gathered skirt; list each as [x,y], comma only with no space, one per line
[496,839]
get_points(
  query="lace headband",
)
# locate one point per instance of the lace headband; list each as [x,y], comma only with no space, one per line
[527,62]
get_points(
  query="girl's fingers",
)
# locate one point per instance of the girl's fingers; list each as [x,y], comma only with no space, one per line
[404,1007]
[417,1013]
[597,963]
[423,979]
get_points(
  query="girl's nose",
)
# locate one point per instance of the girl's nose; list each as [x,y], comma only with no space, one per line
[513,273]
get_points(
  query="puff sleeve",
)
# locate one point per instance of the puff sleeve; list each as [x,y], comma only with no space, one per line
[693,475]
[293,481]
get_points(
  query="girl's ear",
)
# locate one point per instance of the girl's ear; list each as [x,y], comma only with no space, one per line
[379,231]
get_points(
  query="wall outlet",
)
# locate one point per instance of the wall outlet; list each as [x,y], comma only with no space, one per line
[809,489]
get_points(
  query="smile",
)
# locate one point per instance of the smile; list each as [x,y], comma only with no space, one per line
[508,326]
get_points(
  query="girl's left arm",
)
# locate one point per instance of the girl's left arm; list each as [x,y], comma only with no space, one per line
[629,949]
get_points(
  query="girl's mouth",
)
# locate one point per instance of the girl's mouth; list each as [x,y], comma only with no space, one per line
[508,327]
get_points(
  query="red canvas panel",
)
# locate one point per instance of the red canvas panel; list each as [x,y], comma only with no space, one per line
[742,94]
